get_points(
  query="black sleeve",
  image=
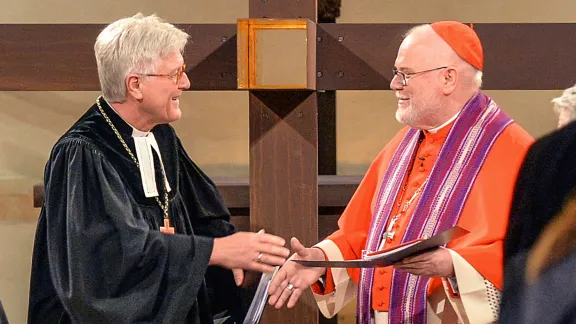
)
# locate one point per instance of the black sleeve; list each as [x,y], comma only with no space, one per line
[105,263]
[212,218]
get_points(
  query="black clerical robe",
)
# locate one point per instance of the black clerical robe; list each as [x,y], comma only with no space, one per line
[545,180]
[99,256]
[551,299]
[3,319]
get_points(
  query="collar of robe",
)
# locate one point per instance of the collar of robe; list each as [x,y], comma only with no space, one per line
[144,142]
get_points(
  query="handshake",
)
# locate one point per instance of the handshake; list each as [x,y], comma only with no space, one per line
[262,252]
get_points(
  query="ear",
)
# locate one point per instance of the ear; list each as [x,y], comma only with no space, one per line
[134,86]
[449,80]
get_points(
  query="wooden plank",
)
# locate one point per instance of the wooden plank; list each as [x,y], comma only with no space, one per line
[528,56]
[284,177]
[333,192]
[48,57]
[211,56]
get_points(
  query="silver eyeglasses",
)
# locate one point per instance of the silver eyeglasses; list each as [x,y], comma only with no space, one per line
[405,76]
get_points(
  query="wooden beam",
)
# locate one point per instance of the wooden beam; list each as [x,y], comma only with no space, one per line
[528,56]
[518,56]
[284,161]
[284,177]
[60,57]
[48,57]
[211,56]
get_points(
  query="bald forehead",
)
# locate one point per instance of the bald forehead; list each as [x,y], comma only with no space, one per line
[424,49]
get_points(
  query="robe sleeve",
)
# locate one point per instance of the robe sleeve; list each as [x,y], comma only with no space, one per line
[106,265]
[473,297]
[212,218]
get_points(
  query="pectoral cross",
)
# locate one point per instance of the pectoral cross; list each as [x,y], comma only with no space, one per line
[167,229]
[389,234]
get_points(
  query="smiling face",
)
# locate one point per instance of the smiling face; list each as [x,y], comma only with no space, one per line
[421,100]
[160,95]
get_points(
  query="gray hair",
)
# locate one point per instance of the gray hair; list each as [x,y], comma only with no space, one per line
[133,45]
[565,106]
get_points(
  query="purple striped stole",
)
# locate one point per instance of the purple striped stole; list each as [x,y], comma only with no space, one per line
[474,132]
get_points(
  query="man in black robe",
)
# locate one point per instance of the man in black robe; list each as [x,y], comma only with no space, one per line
[546,179]
[129,224]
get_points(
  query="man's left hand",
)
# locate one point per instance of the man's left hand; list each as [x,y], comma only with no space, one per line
[437,263]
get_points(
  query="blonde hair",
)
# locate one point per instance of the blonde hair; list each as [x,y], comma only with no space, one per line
[133,45]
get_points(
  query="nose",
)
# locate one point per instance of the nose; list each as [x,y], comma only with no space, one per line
[396,83]
[184,82]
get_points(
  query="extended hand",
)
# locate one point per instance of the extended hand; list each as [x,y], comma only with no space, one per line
[250,251]
[292,279]
[437,263]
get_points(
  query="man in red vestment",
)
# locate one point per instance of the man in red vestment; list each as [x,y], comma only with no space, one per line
[455,163]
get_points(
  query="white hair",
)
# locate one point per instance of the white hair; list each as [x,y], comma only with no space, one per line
[416,29]
[477,79]
[565,106]
[133,45]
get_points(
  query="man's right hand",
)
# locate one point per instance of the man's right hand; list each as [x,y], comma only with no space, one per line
[249,251]
[292,279]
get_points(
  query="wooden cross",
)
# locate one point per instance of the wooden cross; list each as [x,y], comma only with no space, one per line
[284,125]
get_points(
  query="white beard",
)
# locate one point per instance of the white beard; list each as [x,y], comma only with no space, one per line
[421,117]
